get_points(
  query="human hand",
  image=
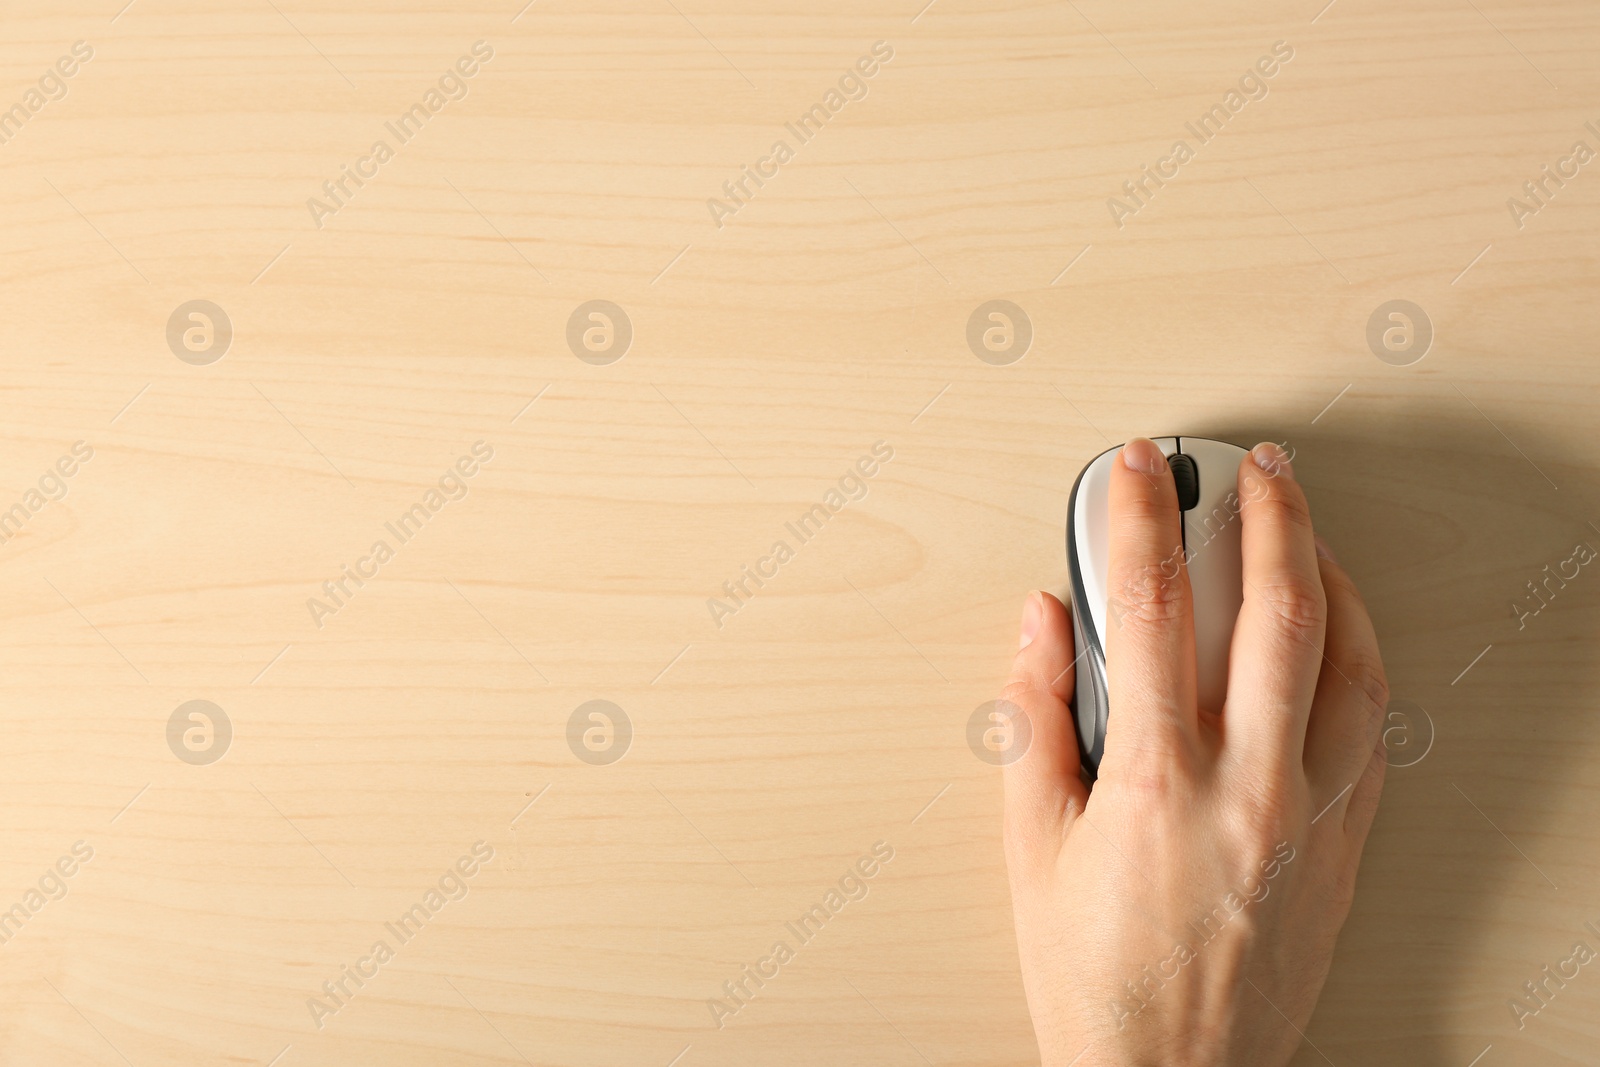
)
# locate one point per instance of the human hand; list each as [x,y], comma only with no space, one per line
[1185,911]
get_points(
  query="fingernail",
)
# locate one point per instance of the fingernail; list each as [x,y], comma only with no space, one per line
[1032,616]
[1142,455]
[1272,459]
[1324,551]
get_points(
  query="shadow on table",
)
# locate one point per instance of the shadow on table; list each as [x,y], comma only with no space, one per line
[1443,522]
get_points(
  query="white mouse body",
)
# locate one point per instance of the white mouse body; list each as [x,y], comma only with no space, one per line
[1211,549]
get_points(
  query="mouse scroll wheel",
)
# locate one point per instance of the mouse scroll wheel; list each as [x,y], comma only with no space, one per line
[1187,477]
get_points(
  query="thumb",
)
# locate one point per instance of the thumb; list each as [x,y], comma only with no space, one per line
[1043,788]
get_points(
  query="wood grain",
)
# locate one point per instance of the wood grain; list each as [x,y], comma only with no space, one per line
[828,313]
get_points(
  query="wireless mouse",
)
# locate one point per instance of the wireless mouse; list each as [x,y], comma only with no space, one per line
[1206,473]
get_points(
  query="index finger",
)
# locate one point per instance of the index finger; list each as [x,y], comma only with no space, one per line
[1150,658]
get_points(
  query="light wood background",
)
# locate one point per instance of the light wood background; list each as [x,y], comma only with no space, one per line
[768,355]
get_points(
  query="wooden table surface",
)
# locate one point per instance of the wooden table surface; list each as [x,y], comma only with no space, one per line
[397,501]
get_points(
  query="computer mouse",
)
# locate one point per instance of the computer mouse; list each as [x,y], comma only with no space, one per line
[1206,473]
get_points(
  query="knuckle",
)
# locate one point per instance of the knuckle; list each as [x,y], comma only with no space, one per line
[1154,594]
[1262,817]
[1364,670]
[1152,774]
[1019,692]
[1142,787]
[1298,604]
